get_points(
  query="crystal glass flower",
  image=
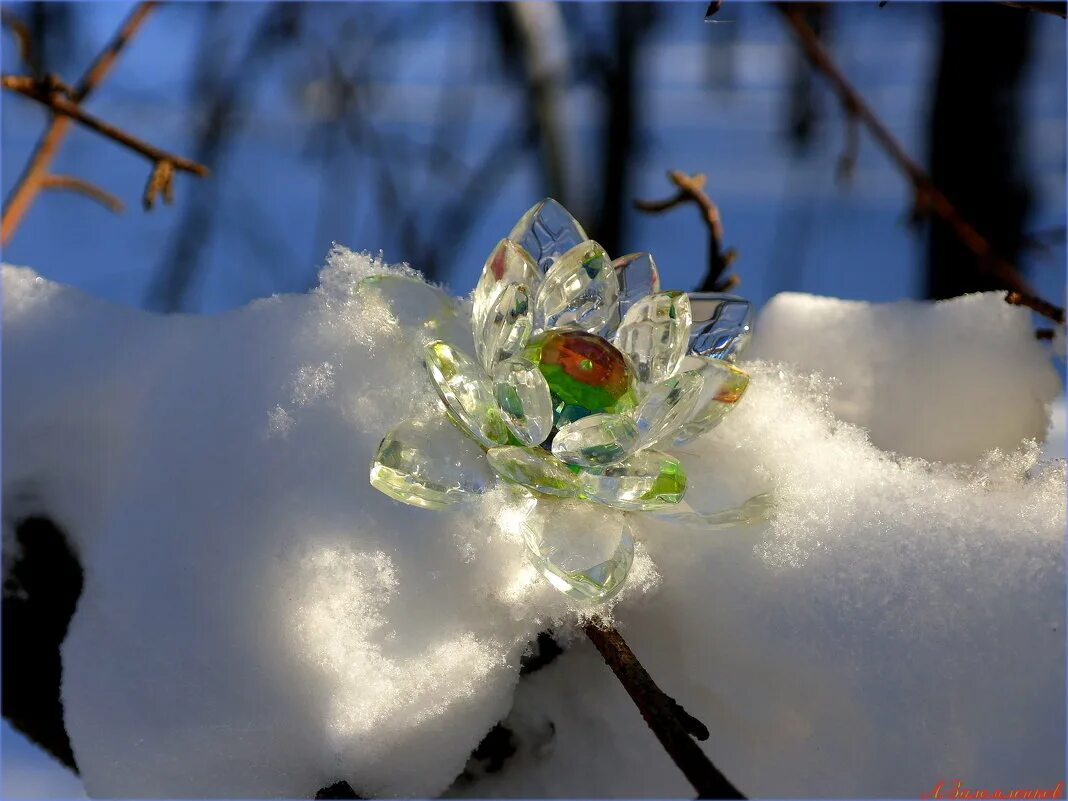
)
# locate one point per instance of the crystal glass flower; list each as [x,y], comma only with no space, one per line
[581,366]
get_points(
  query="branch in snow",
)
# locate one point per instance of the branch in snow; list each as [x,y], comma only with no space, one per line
[928,197]
[1043,307]
[691,191]
[673,726]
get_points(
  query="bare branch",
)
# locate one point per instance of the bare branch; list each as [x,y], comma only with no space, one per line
[87,188]
[691,191]
[929,198]
[673,726]
[46,94]
[30,182]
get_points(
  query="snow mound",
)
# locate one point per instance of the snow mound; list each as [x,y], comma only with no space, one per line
[258,621]
[946,381]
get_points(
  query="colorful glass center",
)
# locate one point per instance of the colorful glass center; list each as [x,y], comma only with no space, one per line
[585,373]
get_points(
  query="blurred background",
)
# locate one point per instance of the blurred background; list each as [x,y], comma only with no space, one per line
[424,130]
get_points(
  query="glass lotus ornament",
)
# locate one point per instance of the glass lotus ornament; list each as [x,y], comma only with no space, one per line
[584,373]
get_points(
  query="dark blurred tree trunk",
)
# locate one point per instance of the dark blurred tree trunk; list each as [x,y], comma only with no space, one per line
[803,109]
[975,148]
[631,23]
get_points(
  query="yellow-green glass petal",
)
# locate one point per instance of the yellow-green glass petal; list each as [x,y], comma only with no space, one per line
[647,480]
[429,464]
[534,468]
[466,393]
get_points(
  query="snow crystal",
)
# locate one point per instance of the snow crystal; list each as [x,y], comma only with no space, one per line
[258,621]
[947,380]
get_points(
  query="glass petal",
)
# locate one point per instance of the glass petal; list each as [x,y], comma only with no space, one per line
[654,334]
[466,393]
[638,276]
[598,439]
[534,468]
[546,232]
[506,326]
[722,325]
[647,480]
[584,550]
[579,291]
[507,264]
[724,385]
[667,406]
[429,464]
[524,400]
[757,509]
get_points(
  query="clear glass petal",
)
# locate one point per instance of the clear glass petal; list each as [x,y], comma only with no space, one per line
[654,333]
[429,463]
[534,468]
[647,480]
[508,264]
[546,232]
[638,276]
[757,509]
[466,392]
[724,385]
[580,291]
[667,406]
[722,325]
[524,400]
[506,326]
[584,550]
[598,439]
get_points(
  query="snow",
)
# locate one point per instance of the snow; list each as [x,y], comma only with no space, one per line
[258,621]
[906,371]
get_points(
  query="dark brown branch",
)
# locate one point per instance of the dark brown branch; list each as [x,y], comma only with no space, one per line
[691,191]
[1056,9]
[1043,307]
[929,198]
[91,190]
[32,179]
[673,726]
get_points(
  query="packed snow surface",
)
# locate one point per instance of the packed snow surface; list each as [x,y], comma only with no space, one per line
[257,620]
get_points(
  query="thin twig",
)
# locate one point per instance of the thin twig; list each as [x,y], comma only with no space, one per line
[22,35]
[33,176]
[928,196]
[691,191]
[673,726]
[91,190]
